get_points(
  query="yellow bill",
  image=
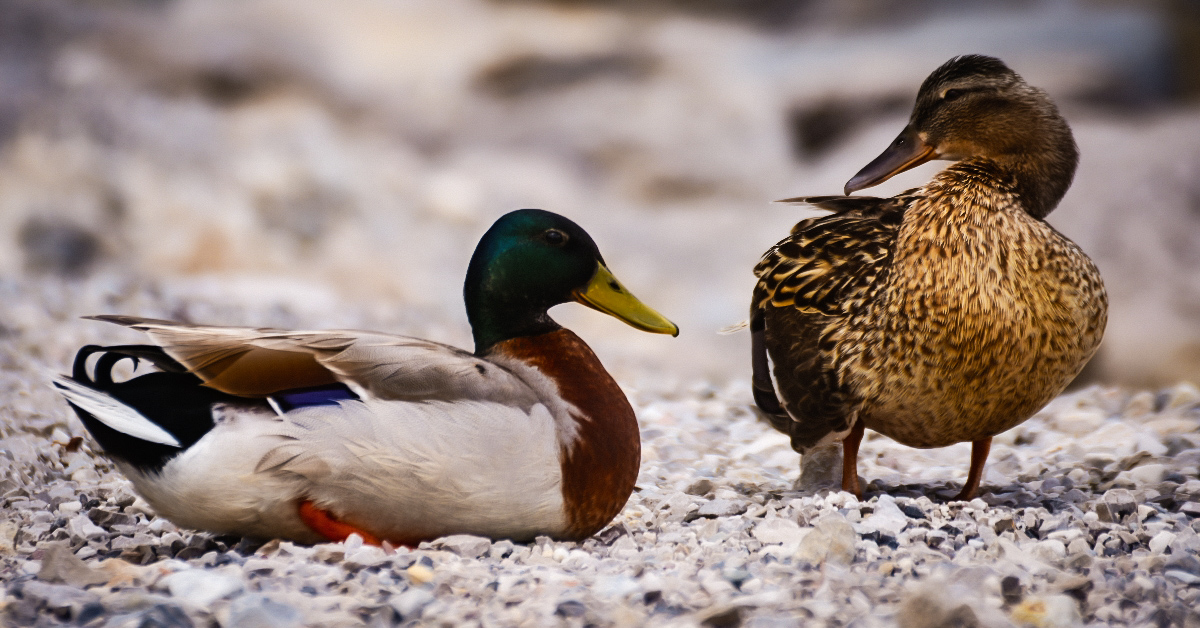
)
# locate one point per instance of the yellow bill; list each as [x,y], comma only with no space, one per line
[606,294]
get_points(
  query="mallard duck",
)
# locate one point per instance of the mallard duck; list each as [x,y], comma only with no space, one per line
[948,313]
[316,435]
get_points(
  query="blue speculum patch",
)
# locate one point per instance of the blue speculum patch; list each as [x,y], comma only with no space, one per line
[329,395]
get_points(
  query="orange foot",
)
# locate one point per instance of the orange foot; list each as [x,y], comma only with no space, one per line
[325,524]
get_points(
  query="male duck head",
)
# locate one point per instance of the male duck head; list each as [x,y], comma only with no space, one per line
[976,107]
[531,260]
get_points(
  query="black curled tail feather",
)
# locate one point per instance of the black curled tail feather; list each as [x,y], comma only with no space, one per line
[110,356]
[765,396]
[171,398]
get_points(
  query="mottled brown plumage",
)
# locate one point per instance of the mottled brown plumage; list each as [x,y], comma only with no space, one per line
[949,313]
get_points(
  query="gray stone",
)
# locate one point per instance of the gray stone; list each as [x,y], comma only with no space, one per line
[60,564]
[200,587]
[63,600]
[261,611]
[887,518]
[832,540]
[465,545]
[1182,576]
[409,603]
[720,508]
[820,468]
[779,530]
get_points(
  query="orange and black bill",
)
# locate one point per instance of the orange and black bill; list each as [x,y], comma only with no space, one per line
[907,151]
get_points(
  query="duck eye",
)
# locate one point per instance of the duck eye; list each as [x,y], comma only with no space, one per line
[554,237]
[952,94]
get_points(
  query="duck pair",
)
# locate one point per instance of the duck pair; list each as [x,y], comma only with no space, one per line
[946,314]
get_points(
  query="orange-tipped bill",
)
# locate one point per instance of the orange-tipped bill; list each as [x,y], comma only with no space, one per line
[604,293]
[905,153]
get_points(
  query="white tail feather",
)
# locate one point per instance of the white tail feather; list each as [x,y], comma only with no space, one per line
[734,328]
[113,413]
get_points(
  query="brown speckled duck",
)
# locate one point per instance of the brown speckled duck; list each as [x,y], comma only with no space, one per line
[948,313]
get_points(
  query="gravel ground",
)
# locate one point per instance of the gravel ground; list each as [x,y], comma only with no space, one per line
[1088,516]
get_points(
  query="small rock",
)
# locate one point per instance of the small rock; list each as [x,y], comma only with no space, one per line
[721,508]
[779,530]
[504,547]
[260,611]
[570,608]
[158,616]
[935,607]
[700,487]
[419,574]
[61,599]
[1161,541]
[1184,562]
[832,539]
[886,518]
[200,587]
[724,618]
[465,545]
[366,556]
[1080,422]
[1182,576]
[1050,550]
[409,603]
[820,468]
[1120,503]
[1051,611]
[59,564]
[1011,590]
[1147,473]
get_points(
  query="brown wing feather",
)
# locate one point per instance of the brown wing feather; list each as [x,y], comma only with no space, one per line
[808,283]
[254,362]
[228,358]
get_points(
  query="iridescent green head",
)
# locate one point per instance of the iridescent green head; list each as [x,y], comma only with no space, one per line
[530,261]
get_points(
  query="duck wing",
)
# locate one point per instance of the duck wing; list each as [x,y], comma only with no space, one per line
[808,283]
[260,362]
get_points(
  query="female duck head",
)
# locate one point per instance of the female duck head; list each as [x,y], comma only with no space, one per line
[531,260]
[975,106]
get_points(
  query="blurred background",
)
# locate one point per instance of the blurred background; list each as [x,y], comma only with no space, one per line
[275,162]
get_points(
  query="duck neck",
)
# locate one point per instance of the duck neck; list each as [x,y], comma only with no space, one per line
[1043,170]
[496,316]
[493,325]
[600,459]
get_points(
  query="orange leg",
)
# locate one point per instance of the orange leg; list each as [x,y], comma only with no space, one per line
[979,454]
[850,459]
[325,524]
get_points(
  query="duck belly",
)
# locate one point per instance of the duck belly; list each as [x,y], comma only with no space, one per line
[409,471]
[979,339]
[402,471]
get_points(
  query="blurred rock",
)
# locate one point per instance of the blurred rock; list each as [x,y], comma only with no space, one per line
[464,545]
[821,468]
[1052,611]
[820,127]
[260,611]
[528,75]
[201,587]
[59,564]
[409,603]
[63,601]
[59,247]
[831,539]
[779,530]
